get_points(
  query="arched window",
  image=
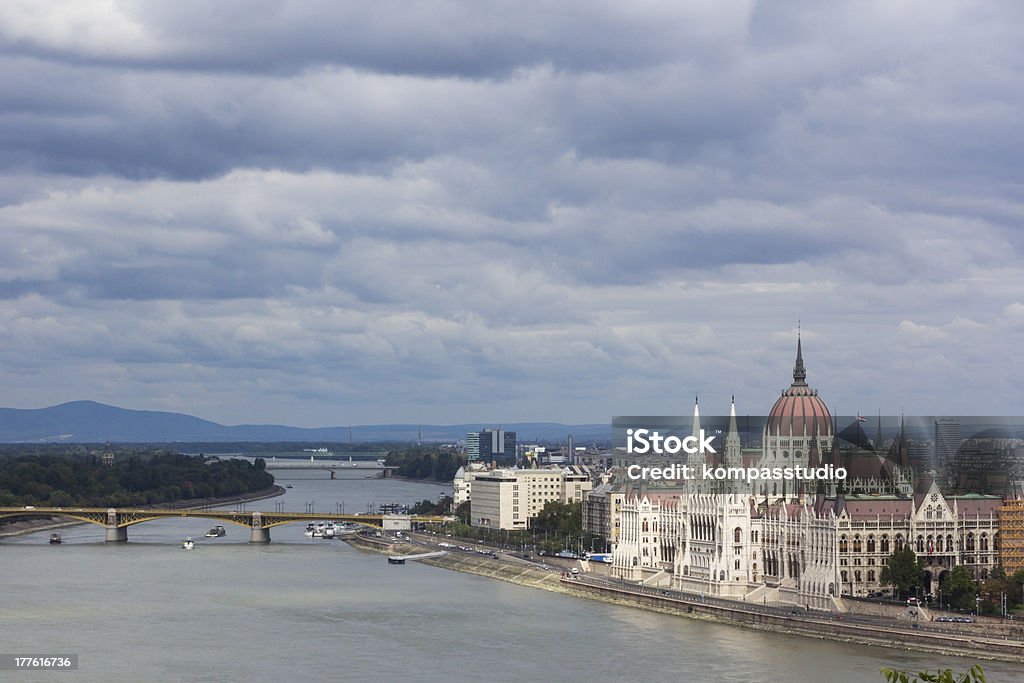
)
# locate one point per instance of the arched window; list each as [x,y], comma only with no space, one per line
[871,544]
[949,543]
[984,543]
[871,576]
[856,576]
[995,541]
[845,576]
[842,544]
[645,526]
[920,544]
[970,541]
[856,544]
[938,544]
[899,541]
[737,534]
[885,544]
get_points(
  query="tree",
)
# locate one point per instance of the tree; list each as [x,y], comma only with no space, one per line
[903,571]
[973,675]
[959,589]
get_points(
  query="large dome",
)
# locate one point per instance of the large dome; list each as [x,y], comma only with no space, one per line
[799,409]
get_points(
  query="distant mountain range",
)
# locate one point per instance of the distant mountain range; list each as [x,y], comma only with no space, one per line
[91,422]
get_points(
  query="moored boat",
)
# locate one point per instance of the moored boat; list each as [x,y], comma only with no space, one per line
[55,538]
[188,543]
[216,532]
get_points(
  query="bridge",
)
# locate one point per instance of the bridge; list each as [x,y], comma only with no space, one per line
[356,467]
[116,521]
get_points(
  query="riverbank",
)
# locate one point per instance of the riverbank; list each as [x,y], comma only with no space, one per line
[822,626]
[31,526]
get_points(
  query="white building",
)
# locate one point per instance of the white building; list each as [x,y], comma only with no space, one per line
[462,483]
[510,498]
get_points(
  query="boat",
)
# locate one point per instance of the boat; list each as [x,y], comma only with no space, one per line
[310,529]
[188,543]
[345,530]
[216,532]
[55,538]
[288,486]
[396,560]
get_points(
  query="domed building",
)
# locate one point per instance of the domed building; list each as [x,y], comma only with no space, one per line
[798,419]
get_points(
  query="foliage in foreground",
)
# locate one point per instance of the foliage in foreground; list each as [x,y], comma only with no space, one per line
[973,675]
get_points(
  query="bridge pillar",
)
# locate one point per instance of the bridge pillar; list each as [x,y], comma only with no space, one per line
[258,533]
[115,533]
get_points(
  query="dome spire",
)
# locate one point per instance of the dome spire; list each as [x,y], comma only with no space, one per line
[799,373]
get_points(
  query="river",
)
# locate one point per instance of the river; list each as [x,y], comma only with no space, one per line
[300,609]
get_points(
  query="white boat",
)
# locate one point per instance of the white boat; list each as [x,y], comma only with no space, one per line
[188,543]
[216,532]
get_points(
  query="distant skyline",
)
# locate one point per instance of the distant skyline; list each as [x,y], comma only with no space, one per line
[319,213]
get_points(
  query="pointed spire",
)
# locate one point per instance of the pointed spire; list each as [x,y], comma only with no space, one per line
[878,434]
[696,417]
[733,429]
[799,373]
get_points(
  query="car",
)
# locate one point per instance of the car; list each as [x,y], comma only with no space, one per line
[575,570]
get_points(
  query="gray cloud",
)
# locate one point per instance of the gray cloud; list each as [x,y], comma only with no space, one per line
[322,214]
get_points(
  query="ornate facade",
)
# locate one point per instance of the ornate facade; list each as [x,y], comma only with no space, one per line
[774,543]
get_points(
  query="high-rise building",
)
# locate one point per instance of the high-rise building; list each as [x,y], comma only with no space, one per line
[491,444]
[947,443]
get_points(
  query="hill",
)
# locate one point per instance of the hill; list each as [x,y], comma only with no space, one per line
[92,422]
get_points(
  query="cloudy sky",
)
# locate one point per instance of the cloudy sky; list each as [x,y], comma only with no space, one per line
[330,213]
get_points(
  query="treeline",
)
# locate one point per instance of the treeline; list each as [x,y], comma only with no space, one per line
[905,572]
[421,462]
[559,526]
[79,479]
